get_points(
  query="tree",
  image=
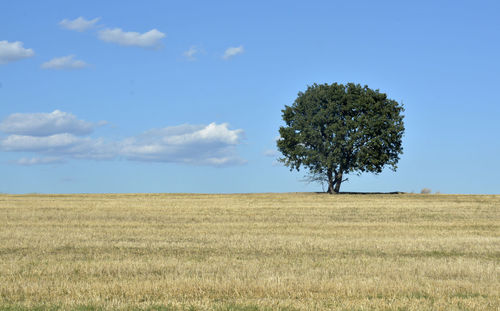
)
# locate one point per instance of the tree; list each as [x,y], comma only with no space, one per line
[334,130]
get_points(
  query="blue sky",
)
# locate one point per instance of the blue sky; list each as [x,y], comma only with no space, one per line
[163,96]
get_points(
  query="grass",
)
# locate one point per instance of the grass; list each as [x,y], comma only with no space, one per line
[248,252]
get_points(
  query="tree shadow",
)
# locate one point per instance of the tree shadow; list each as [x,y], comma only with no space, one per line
[363,193]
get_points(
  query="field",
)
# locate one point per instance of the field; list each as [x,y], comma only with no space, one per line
[249,252]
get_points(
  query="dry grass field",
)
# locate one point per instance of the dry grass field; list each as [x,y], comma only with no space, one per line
[249,252]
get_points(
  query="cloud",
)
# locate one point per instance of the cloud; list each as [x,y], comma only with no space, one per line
[12,51]
[213,144]
[150,39]
[45,124]
[79,24]
[37,143]
[61,145]
[233,51]
[191,53]
[60,135]
[39,161]
[65,62]
[271,153]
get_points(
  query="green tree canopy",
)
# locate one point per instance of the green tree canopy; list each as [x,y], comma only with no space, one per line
[333,130]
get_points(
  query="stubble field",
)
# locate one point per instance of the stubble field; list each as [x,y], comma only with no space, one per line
[249,252]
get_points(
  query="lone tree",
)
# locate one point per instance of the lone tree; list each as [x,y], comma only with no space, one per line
[334,130]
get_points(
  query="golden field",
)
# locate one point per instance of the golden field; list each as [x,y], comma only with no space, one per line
[249,252]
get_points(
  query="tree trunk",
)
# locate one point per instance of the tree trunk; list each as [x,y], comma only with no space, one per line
[337,181]
[331,181]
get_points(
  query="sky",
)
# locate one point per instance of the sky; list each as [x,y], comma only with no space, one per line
[186,96]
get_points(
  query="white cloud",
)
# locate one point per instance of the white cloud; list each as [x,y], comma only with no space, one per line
[233,51]
[65,62]
[60,135]
[61,145]
[39,161]
[45,124]
[97,149]
[213,144]
[150,39]
[12,51]
[79,24]
[37,143]
[191,53]
[271,153]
